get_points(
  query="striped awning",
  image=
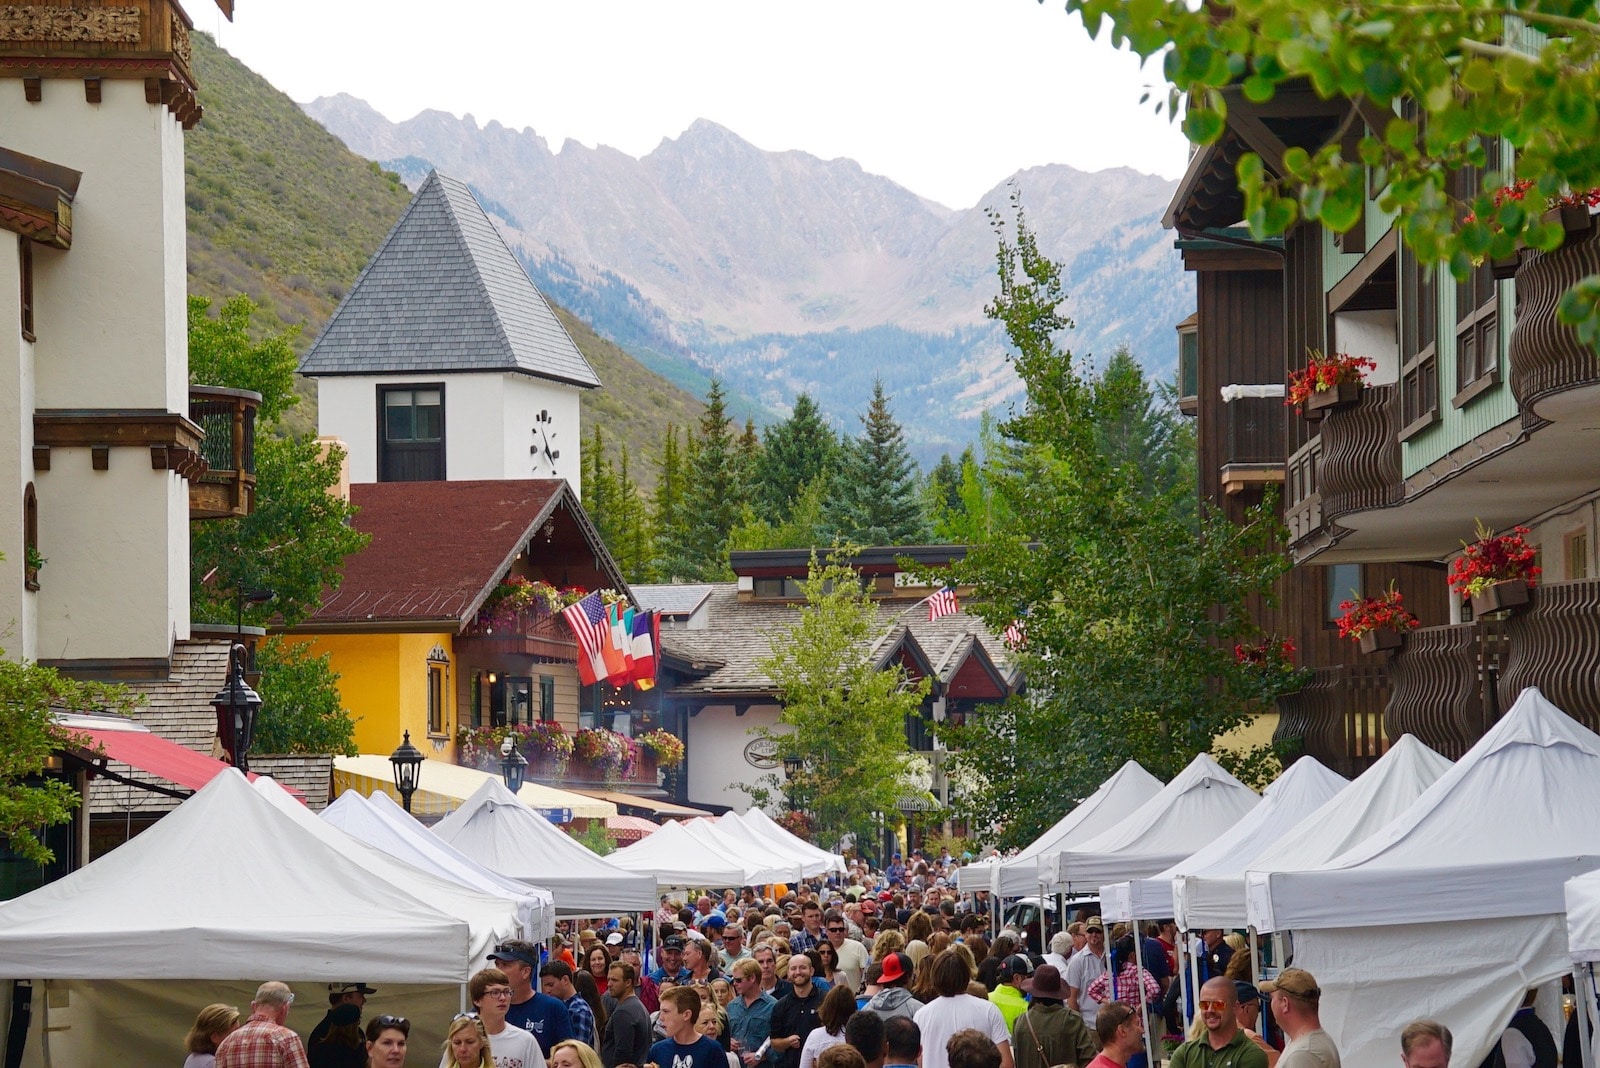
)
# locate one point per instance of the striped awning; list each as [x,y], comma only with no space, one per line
[919,803]
[442,786]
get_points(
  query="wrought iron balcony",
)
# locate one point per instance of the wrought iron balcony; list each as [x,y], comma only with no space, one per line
[227,417]
[1554,644]
[1360,464]
[1548,362]
[1441,691]
[1337,717]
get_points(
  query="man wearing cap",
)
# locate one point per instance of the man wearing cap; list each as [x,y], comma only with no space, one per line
[1087,965]
[671,958]
[340,994]
[1015,970]
[853,956]
[1049,1033]
[264,1041]
[1224,1044]
[1248,1012]
[893,998]
[1295,999]
[539,1014]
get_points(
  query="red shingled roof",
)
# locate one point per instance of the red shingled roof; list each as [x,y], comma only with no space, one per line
[436,547]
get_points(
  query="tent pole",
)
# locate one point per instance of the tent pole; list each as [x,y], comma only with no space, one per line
[1583,994]
[1194,988]
[1144,999]
[1255,958]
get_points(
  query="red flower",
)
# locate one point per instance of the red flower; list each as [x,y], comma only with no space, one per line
[1324,373]
[1493,559]
[1383,612]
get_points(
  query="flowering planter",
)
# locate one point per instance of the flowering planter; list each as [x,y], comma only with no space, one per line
[1324,400]
[1374,640]
[1499,596]
[1574,218]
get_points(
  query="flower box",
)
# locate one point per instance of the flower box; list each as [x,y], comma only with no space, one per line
[1500,596]
[1574,218]
[1339,396]
[1375,640]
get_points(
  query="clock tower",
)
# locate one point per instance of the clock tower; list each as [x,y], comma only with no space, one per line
[444,362]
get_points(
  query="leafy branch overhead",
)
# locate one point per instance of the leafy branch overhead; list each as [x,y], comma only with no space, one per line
[1430,89]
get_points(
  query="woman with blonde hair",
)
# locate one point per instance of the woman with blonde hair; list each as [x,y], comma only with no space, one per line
[211,1026]
[918,926]
[886,943]
[574,1054]
[466,1044]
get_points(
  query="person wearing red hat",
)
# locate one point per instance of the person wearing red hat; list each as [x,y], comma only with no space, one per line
[893,999]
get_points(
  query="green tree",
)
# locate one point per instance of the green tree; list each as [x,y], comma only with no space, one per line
[30,698]
[223,352]
[748,458]
[712,494]
[843,719]
[669,512]
[301,708]
[1525,71]
[875,498]
[615,504]
[1131,607]
[943,489]
[798,452]
[805,526]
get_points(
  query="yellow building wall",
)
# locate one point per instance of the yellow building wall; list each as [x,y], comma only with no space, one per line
[383,681]
[1247,736]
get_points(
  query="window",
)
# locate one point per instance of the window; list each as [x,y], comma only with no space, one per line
[30,539]
[1189,362]
[1419,371]
[25,270]
[1477,300]
[437,688]
[547,698]
[1343,584]
[411,433]
[1577,555]
[476,699]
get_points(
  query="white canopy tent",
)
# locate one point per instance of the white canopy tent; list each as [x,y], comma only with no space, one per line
[678,859]
[1114,801]
[809,864]
[1365,807]
[387,827]
[1195,807]
[1457,907]
[503,834]
[1583,942]
[768,828]
[763,864]
[1207,889]
[443,786]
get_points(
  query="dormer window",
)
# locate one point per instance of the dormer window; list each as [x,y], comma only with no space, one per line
[411,433]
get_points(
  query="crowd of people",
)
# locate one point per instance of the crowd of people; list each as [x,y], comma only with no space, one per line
[875,969]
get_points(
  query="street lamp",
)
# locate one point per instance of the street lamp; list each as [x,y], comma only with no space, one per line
[513,765]
[407,761]
[236,705]
[792,766]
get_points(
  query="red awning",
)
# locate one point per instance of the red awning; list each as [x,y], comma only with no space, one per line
[164,759]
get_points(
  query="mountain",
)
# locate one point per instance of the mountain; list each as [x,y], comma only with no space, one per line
[281,210]
[780,271]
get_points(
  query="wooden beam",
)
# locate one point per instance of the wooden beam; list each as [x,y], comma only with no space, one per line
[1262,141]
[1382,251]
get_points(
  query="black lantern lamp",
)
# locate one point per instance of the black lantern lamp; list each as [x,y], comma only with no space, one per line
[407,761]
[792,766]
[236,705]
[513,765]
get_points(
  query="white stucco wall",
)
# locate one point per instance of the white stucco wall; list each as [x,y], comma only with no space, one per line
[488,424]
[110,320]
[716,753]
[17,606]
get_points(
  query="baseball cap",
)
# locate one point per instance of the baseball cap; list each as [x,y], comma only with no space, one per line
[509,952]
[1296,982]
[895,967]
[614,938]
[714,921]
[1246,992]
[1016,965]
[672,942]
[1093,922]
[351,988]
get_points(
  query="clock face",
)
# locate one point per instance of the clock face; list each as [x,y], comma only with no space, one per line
[543,451]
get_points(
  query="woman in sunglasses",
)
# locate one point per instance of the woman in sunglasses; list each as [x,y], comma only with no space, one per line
[386,1041]
[466,1044]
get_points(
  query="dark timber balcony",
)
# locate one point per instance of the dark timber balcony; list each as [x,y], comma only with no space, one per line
[228,419]
[1554,644]
[1440,693]
[535,631]
[1253,444]
[1359,468]
[1337,717]
[1553,373]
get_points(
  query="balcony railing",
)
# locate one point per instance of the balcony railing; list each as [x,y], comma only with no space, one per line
[1304,514]
[1441,689]
[1547,359]
[228,419]
[1337,717]
[1554,644]
[535,631]
[1360,463]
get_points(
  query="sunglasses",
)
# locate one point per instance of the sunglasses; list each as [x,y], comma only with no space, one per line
[400,1023]
[1213,1006]
[836,930]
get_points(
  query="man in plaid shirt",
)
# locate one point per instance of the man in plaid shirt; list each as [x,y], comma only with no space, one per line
[555,979]
[264,1041]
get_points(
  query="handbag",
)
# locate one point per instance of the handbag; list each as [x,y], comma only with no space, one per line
[1040,1045]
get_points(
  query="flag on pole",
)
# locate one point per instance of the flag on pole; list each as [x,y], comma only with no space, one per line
[648,682]
[614,650]
[587,618]
[644,651]
[1015,635]
[942,603]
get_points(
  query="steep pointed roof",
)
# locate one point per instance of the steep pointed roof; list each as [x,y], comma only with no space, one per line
[443,294]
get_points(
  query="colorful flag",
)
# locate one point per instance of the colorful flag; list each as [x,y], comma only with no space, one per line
[644,651]
[646,683]
[1015,635]
[942,603]
[587,618]
[613,648]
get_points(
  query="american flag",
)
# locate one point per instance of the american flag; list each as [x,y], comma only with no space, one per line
[1015,635]
[587,618]
[942,603]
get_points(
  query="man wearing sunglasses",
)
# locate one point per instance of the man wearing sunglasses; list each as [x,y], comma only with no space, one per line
[1224,1045]
[511,1046]
[853,956]
[539,1014]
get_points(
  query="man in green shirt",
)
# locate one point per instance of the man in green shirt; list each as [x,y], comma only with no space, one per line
[1224,1045]
[1007,995]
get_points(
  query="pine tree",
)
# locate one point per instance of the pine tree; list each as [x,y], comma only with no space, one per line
[636,545]
[943,490]
[800,450]
[616,506]
[712,497]
[875,499]
[669,511]
[749,458]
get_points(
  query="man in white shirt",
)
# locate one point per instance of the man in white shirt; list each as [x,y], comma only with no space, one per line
[956,1010]
[509,1045]
[1087,965]
[853,956]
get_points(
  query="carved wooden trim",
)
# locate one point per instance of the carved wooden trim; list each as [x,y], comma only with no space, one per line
[41,457]
[32,90]
[71,25]
[91,90]
[173,436]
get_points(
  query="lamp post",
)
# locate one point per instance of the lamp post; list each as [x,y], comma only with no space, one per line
[513,765]
[236,705]
[407,761]
[792,766]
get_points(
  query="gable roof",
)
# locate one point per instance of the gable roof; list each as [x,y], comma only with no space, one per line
[444,293]
[438,549]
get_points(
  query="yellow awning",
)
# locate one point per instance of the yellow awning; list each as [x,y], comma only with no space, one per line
[442,786]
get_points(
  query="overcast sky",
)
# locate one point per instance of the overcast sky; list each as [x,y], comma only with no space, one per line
[947,97]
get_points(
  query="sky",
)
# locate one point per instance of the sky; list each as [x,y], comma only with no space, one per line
[946,97]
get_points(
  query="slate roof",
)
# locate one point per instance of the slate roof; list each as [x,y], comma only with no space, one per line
[438,548]
[739,636]
[444,294]
[671,599]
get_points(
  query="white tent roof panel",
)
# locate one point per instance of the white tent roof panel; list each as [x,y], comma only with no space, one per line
[676,858]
